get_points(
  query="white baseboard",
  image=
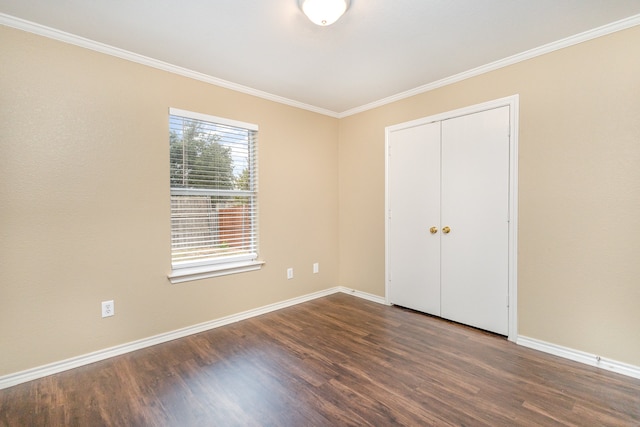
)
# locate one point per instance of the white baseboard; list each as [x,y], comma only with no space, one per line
[363,295]
[580,356]
[85,359]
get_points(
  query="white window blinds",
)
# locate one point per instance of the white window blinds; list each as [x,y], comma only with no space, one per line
[213,190]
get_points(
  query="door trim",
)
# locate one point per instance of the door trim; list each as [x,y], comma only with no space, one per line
[514,105]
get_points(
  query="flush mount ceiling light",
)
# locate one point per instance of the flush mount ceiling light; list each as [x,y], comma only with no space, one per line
[324,12]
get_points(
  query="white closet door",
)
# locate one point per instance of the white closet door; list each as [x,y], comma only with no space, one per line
[414,198]
[475,203]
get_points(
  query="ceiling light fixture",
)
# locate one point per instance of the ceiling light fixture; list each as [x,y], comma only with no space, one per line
[324,12]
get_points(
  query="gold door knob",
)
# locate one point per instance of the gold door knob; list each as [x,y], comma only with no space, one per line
[446,230]
[433,230]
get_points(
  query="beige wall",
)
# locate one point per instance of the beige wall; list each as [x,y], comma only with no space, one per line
[84,205]
[579,191]
[84,212]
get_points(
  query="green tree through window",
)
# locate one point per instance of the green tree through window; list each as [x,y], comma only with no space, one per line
[198,160]
[213,190]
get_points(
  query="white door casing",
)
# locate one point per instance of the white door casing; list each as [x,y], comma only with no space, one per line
[484,228]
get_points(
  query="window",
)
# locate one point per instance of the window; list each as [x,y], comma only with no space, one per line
[213,196]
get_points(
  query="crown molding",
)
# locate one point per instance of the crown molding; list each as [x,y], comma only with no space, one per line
[616,26]
[65,37]
[52,33]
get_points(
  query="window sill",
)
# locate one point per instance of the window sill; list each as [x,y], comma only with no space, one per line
[204,272]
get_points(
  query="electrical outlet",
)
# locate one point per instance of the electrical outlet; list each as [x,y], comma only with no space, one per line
[107,308]
[289,273]
[316,267]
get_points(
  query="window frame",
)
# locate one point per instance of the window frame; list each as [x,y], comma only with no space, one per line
[183,271]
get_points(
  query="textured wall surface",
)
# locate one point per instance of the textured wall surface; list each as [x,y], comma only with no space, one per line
[84,215]
[85,199]
[579,190]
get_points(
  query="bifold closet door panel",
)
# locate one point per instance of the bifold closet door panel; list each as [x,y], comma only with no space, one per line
[475,206]
[414,200]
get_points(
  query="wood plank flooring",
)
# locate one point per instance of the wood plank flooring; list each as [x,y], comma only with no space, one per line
[334,361]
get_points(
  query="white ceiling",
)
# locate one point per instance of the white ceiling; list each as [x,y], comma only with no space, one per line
[380,48]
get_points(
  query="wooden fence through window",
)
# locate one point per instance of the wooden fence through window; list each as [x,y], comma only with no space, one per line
[197,221]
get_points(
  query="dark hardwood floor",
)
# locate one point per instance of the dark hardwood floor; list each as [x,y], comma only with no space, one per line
[334,361]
